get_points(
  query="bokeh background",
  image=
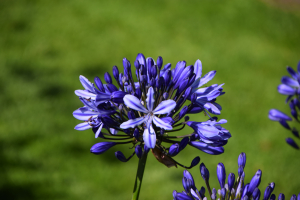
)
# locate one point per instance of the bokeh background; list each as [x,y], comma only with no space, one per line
[46,45]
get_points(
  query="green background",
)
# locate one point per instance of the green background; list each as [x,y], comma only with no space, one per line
[46,45]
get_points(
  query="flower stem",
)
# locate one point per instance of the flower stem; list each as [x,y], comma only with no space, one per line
[139,177]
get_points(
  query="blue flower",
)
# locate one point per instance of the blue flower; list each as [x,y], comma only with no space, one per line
[234,189]
[291,87]
[146,111]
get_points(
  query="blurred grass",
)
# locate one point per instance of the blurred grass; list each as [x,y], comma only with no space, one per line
[46,45]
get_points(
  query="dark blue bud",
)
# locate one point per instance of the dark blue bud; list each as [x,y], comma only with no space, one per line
[101,147]
[182,86]
[295,132]
[194,98]
[153,72]
[107,78]
[292,143]
[245,197]
[136,133]
[117,97]
[231,180]
[116,72]
[138,93]
[143,78]
[195,162]
[273,197]
[298,198]
[242,160]
[294,113]
[167,77]
[267,193]
[160,82]
[162,131]
[121,79]
[124,79]
[187,92]
[223,192]
[246,189]
[108,121]
[137,64]
[150,62]
[282,197]
[138,151]
[131,114]
[174,149]
[204,172]
[202,191]
[255,181]
[240,171]
[166,95]
[112,88]
[183,143]
[120,156]
[99,84]
[294,197]
[143,70]
[256,194]
[187,184]
[221,173]
[284,124]
[159,62]
[214,191]
[213,196]
[186,118]
[152,82]
[146,149]
[183,112]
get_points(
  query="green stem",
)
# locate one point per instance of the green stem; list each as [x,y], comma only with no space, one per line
[139,177]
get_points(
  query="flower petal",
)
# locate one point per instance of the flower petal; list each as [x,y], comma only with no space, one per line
[212,108]
[79,114]
[150,99]
[160,123]
[149,138]
[207,77]
[86,83]
[82,126]
[289,81]
[133,123]
[134,103]
[85,94]
[286,90]
[165,107]
[206,148]
[198,68]
[98,131]
[277,115]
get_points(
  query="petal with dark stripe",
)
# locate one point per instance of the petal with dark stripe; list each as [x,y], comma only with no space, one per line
[149,138]
[78,114]
[133,123]
[134,103]
[150,99]
[85,94]
[160,123]
[165,107]
[82,126]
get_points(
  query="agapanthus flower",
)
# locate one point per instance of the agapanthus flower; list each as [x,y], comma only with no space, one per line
[234,189]
[146,110]
[291,87]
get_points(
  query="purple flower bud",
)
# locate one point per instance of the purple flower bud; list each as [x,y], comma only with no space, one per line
[282,197]
[138,151]
[183,112]
[175,194]
[143,78]
[255,181]
[294,197]
[246,189]
[162,131]
[143,70]
[245,197]
[107,78]
[167,77]
[120,156]
[137,64]
[153,72]
[99,84]
[273,197]
[221,173]
[277,115]
[166,95]
[152,82]
[204,172]
[242,160]
[284,124]
[101,147]
[138,93]
[298,198]
[202,191]
[146,149]
[267,193]
[117,97]
[124,79]
[240,171]
[136,133]
[182,86]
[223,192]
[116,72]
[256,194]
[183,143]
[231,180]
[186,118]
[195,162]
[187,92]
[160,82]
[159,62]
[194,98]
[292,143]
[174,149]
[187,184]
[295,132]
[131,115]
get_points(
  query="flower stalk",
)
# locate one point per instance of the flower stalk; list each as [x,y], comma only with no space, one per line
[139,177]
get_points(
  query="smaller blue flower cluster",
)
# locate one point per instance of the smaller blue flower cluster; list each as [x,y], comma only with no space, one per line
[145,110]
[291,87]
[234,189]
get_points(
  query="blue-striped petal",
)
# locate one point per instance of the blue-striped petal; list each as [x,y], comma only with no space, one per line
[292,72]
[207,148]
[212,108]
[198,68]
[113,131]
[99,130]
[207,77]
[133,123]
[78,114]
[82,126]
[286,90]
[86,83]
[134,103]
[277,115]
[289,81]
[160,123]
[102,98]
[165,107]
[149,138]
[194,194]
[85,94]
[150,99]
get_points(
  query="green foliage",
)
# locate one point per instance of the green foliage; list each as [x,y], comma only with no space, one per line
[46,45]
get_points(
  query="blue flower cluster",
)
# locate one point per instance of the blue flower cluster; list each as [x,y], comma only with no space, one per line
[145,110]
[291,87]
[234,189]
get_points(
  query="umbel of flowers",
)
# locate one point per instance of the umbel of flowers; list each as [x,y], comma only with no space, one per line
[289,86]
[146,109]
[234,189]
